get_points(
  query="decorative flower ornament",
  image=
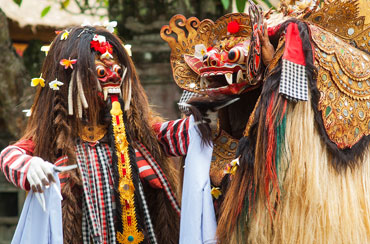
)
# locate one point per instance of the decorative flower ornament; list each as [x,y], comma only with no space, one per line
[106,55]
[232,167]
[303,5]
[200,50]
[65,35]
[101,39]
[54,85]
[38,81]
[110,25]
[100,44]
[128,49]
[45,49]
[27,112]
[67,63]
[216,192]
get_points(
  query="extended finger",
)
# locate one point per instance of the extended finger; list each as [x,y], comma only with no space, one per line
[47,168]
[37,181]
[42,177]
[266,34]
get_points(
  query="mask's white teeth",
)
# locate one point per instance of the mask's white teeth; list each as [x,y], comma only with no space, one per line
[203,82]
[229,78]
[105,92]
[114,90]
[239,77]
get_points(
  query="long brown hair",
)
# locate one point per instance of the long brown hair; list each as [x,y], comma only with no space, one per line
[54,131]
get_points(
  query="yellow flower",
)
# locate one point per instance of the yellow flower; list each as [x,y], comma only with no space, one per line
[232,167]
[38,81]
[64,35]
[216,193]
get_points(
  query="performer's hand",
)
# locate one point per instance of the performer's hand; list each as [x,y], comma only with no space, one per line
[40,174]
[267,48]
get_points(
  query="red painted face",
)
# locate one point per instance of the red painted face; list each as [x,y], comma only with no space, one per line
[109,73]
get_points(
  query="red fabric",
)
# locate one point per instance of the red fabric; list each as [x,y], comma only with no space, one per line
[146,172]
[26,145]
[293,45]
[157,127]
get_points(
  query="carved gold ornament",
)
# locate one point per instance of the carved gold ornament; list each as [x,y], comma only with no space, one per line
[344,84]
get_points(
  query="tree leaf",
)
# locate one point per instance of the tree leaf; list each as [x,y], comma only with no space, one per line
[225,3]
[240,5]
[18,2]
[45,11]
[64,4]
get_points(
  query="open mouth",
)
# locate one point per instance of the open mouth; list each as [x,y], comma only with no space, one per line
[226,79]
[111,89]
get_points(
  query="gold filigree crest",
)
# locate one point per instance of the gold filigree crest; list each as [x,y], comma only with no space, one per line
[342,19]
[183,34]
[344,83]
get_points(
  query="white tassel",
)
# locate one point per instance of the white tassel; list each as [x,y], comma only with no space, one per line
[70,96]
[81,93]
[127,97]
[79,107]
[123,77]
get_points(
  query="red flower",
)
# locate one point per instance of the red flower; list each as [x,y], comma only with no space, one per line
[233,27]
[101,47]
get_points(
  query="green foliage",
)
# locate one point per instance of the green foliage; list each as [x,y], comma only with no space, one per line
[64,4]
[19,2]
[45,11]
[225,3]
[240,5]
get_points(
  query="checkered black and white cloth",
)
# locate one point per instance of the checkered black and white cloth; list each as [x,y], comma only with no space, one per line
[97,218]
[185,97]
[148,221]
[294,82]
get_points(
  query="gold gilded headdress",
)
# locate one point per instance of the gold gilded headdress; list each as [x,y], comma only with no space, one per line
[183,34]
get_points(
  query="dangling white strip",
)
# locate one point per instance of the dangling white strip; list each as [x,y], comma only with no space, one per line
[81,93]
[70,96]
[127,98]
[98,85]
[123,76]
[79,107]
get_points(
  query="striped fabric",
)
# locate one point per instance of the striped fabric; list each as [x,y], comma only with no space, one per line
[63,177]
[146,172]
[15,161]
[162,177]
[98,223]
[173,136]
[147,219]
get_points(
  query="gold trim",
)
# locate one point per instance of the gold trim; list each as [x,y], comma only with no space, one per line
[130,233]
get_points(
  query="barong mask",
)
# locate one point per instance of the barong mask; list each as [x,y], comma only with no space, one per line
[221,57]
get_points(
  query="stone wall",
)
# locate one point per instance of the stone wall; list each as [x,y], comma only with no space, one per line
[151,56]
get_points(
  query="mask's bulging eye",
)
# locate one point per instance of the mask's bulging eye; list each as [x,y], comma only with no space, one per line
[117,69]
[236,55]
[100,70]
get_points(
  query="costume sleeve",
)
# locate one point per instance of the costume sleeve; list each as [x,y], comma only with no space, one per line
[173,136]
[15,161]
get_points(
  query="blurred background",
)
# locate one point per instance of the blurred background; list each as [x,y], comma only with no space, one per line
[27,25]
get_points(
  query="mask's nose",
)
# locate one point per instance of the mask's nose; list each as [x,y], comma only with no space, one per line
[112,77]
